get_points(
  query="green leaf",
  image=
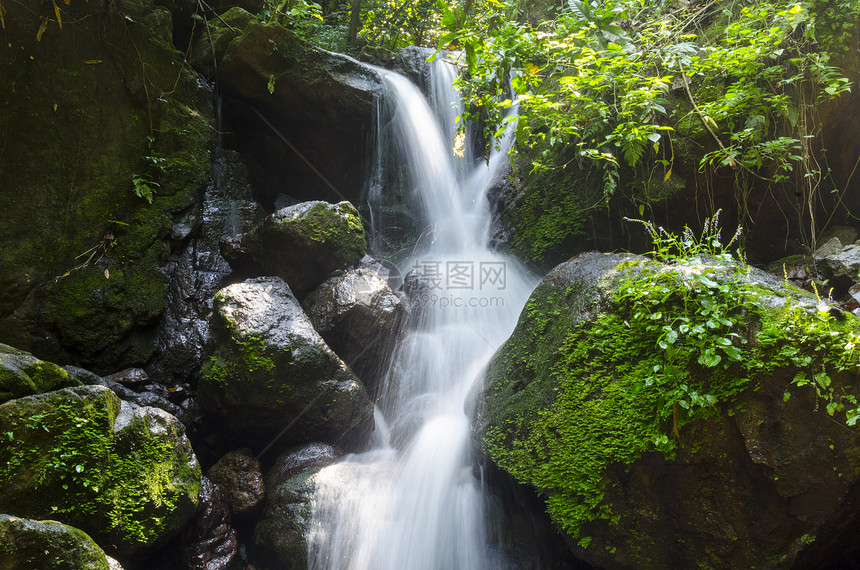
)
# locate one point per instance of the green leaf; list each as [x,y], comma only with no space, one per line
[471,59]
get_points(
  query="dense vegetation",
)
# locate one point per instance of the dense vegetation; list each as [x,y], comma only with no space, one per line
[618,96]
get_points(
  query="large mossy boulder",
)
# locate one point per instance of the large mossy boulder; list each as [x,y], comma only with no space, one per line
[302,244]
[124,474]
[98,116]
[302,115]
[51,545]
[690,415]
[272,378]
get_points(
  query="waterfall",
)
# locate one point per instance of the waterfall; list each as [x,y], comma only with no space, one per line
[414,501]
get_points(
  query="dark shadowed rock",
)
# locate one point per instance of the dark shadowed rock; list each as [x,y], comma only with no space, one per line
[209,541]
[301,115]
[272,378]
[134,378]
[359,316]
[280,536]
[302,244]
[238,474]
[755,473]
[27,544]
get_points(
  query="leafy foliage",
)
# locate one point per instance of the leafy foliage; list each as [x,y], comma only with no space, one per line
[619,81]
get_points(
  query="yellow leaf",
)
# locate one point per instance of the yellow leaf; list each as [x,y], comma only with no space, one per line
[641,209]
[57,14]
[67,2]
[92,61]
[43,25]
[668,175]
[107,274]
[2,21]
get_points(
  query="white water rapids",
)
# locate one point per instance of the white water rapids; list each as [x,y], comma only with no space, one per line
[414,501]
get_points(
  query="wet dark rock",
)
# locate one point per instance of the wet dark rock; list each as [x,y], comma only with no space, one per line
[27,544]
[293,461]
[412,62]
[302,244]
[199,271]
[301,115]
[280,536]
[238,474]
[769,480]
[142,398]
[122,473]
[359,316]
[209,541]
[272,379]
[134,378]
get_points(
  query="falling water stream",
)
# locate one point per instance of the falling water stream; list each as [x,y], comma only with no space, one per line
[414,501]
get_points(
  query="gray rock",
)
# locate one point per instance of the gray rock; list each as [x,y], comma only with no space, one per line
[239,476]
[359,316]
[280,536]
[124,474]
[412,62]
[272,379]
[829,247]
[134,378]
[842,268]
[302,244]
[27,544]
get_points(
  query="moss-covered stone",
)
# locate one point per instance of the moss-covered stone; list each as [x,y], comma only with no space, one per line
[625,428]
[119,107]
[302,244]
[22,374]
[126,475]
[26,543]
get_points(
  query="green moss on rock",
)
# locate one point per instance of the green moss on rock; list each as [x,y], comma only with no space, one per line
[617,399]
[22,374]
[26,543]
[125,475]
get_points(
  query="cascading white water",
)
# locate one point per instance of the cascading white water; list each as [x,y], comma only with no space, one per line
[413,501]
